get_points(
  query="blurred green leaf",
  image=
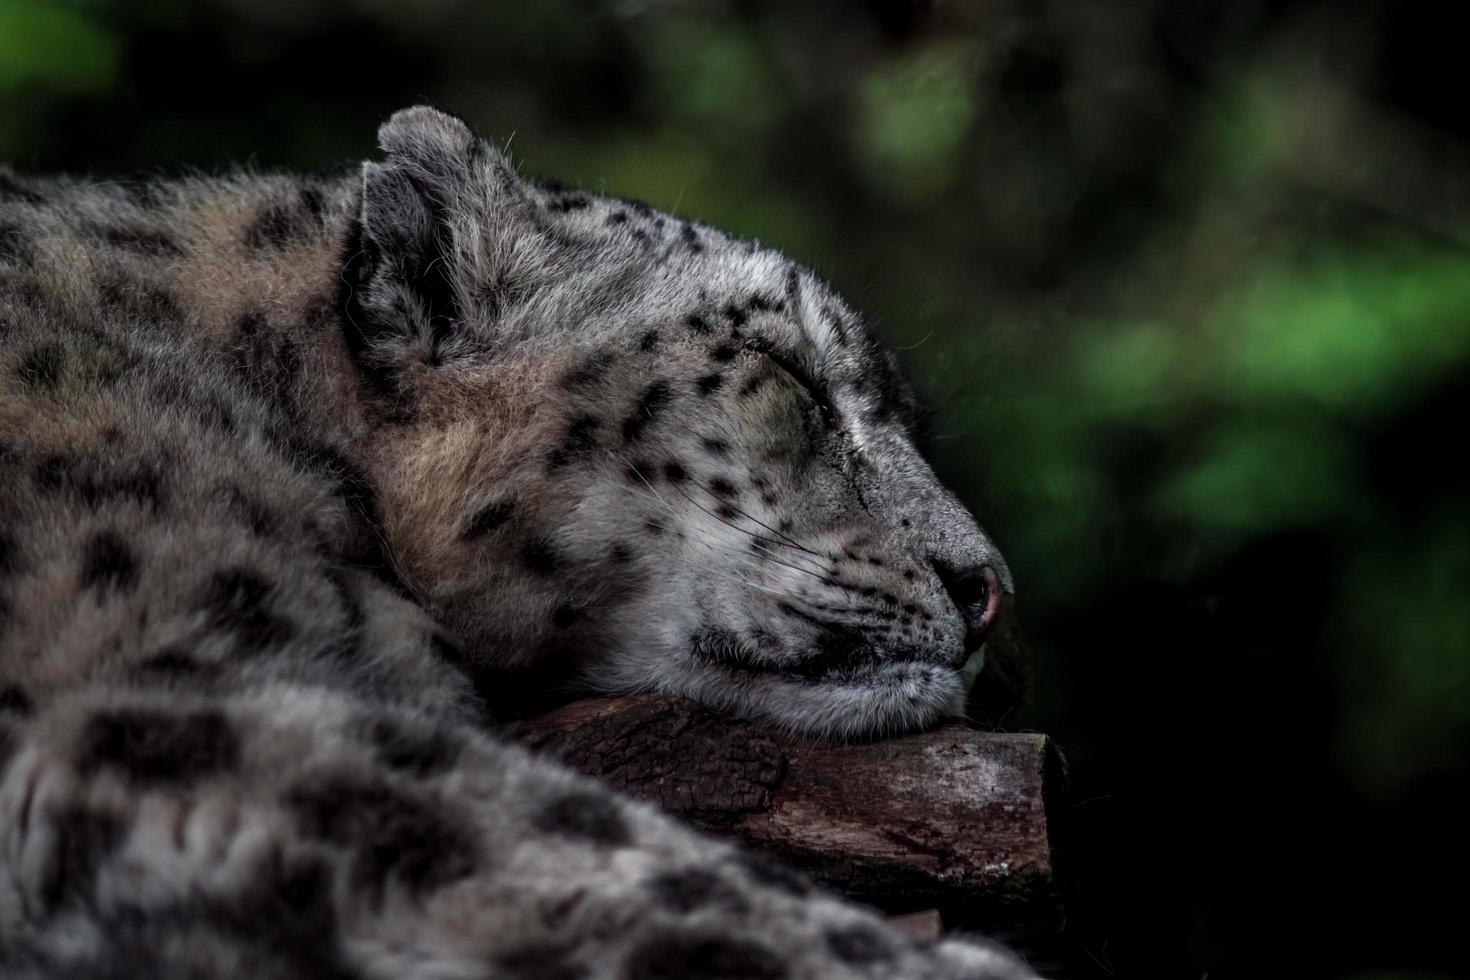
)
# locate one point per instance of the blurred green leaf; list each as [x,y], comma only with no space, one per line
[1127,371]
[714,71]
[1251,132]
[1354,331]
[1258,478]
[916,112]
[48,47]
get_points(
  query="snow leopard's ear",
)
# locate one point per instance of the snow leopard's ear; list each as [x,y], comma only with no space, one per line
[437,229]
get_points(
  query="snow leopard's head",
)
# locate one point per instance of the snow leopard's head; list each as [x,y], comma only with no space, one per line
[622,451]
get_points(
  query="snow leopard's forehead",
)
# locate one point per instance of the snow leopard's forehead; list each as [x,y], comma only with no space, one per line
[645,273]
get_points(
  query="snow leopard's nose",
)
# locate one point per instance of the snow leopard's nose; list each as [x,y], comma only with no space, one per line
[977,593]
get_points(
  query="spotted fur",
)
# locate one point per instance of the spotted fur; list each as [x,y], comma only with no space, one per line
[303,480]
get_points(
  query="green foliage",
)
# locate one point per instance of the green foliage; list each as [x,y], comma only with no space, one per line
[713,71]
[916,112]
[1358,333]
[52,47]
[1253,478]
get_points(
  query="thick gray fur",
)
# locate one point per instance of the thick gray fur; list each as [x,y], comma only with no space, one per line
[303,480]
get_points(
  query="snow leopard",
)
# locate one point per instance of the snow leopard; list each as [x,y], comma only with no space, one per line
[308,483]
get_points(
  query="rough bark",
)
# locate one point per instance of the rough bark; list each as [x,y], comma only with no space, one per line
[953,819]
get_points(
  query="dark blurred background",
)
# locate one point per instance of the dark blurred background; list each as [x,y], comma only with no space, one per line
[1187,285]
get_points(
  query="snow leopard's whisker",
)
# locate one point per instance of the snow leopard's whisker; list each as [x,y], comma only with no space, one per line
[819,576]
[777,537]
[734,554]
[723,570]
[823,567]
[823,574]
[727,554]
[761,542]
[708,546]
[825,579]
[729,564]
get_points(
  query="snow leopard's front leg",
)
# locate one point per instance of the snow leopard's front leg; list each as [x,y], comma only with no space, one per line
[294,833]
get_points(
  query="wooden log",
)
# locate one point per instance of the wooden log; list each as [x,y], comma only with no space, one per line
[953,819]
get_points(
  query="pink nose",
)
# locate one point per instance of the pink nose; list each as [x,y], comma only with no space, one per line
[991,612]
[976,593]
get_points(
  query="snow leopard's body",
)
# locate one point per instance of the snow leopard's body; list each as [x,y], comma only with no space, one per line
[302,479]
